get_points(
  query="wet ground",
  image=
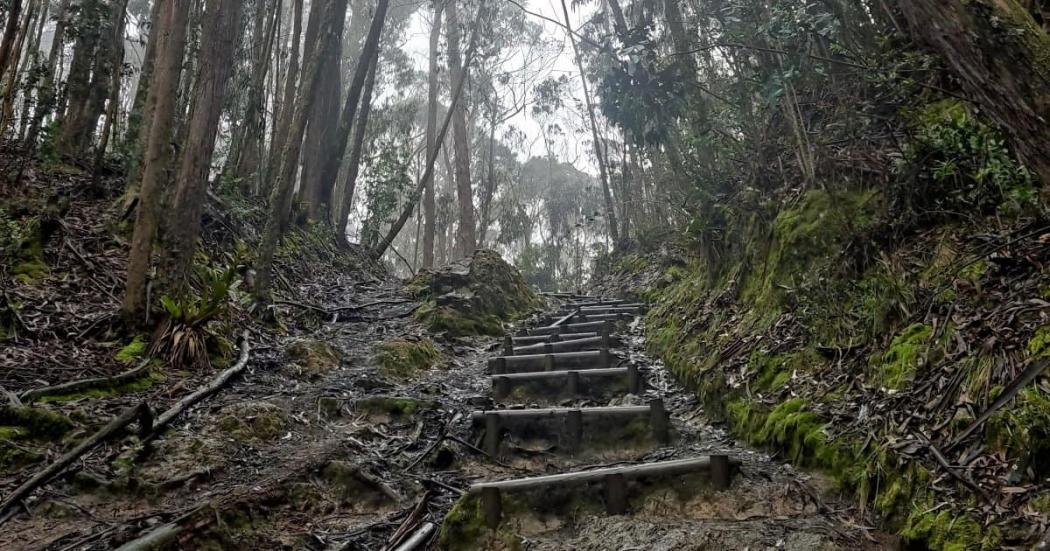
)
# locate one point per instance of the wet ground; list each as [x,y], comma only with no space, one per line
[348,456]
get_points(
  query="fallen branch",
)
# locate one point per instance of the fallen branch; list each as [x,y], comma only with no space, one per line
[1022,380]
[410,524]
[140,412]
[86,384]
[217,383]
[418,539]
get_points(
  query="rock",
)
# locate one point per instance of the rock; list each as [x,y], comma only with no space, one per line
[403,358]
[391,408]
[248,421]
[313,358]
[473,296]
[348,482]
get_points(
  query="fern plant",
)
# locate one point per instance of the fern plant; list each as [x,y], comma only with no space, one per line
[186,336]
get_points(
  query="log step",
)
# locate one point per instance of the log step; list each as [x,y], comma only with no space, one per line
[572,328]
[632,309]
[598,302]
[573,418]
[573,345]
[614,481]
[574,383]
[584,318]
[534,339]
[558,361]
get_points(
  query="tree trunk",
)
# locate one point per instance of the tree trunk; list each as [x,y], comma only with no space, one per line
[466,237]
[369,51]
[219,40]
[165,83]
[1002,66]
[490,182]
[428,172]
[610,208]
[243,164]
[7,44]
[116,62]
[322,121]
[48,93]
[281,193]
[360,129]
[432,144]
[284,120]
[14,71]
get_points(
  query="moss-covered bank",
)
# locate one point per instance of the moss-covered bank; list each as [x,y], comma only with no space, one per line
[805,335]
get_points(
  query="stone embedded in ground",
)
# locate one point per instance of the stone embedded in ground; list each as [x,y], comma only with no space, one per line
[313,358]
[403,358]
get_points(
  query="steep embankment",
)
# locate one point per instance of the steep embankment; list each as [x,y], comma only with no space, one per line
[905,358]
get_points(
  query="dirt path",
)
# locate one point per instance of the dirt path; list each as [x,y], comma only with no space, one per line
[320,446]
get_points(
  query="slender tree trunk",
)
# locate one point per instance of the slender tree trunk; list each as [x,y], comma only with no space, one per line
[10,34]
[37,66]
[466,237]
[490,183]
[432,144]
[283,186]
[369,51]
[284,120]
[116,77]
[244,159]
[322,124]
[610,208]
[163,87]
[141,110]
[1002,65]
[14,70]
[428,172]
[48,91]
[219,40]
[360,129]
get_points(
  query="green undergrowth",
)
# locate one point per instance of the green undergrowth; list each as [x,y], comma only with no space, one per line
[140,384]
[24,434]
[403,358]
[808,268]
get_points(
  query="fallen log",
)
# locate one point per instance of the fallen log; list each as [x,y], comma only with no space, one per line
[141,412]
[88,384]
[207,390]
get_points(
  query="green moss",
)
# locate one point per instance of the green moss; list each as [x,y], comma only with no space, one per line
[38,422]
[133,350]
[131,387]
[906,354]
[1022,429]
[1039,345]
[941,530]
[402,358]
[398,408]
[463,525]
[456,323]
[314,358]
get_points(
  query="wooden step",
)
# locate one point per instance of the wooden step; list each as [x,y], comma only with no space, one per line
[572,328]
[599,302]
[612,309]
[614,480]
[584,318]
[496,420]
[526,340]
[573,383]
[558,361]
[573,345]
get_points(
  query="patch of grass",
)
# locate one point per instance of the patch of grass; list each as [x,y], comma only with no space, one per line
[907,353]
[133,350]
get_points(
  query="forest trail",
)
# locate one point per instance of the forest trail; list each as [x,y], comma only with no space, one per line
[321,445]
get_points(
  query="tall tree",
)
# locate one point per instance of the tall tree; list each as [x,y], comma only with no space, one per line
[356,149]
[332,22]
[428,170]
[599,153]
[999,54]
[466,237]
[291,78]
[165,83]
[7,44]
[433,83]
[219,40]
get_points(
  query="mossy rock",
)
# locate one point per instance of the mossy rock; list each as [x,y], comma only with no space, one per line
[313,358]
[133,351]
[393,408]
[36,422]
[404,358]
[349,483]
[253,421]
[473,296]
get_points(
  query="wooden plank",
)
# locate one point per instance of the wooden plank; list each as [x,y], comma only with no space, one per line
[663,468]
[568,328]
[561,361]
[574,345]
[533,339]
[514,378]
[565,319]
[539,413]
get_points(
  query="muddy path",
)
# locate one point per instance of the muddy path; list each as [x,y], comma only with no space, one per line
[324,445]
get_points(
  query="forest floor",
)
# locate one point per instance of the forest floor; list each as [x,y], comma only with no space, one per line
[326,440]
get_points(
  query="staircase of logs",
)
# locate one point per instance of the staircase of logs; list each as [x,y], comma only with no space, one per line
[570,359]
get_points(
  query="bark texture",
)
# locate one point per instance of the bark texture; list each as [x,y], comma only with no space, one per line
[466,237]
